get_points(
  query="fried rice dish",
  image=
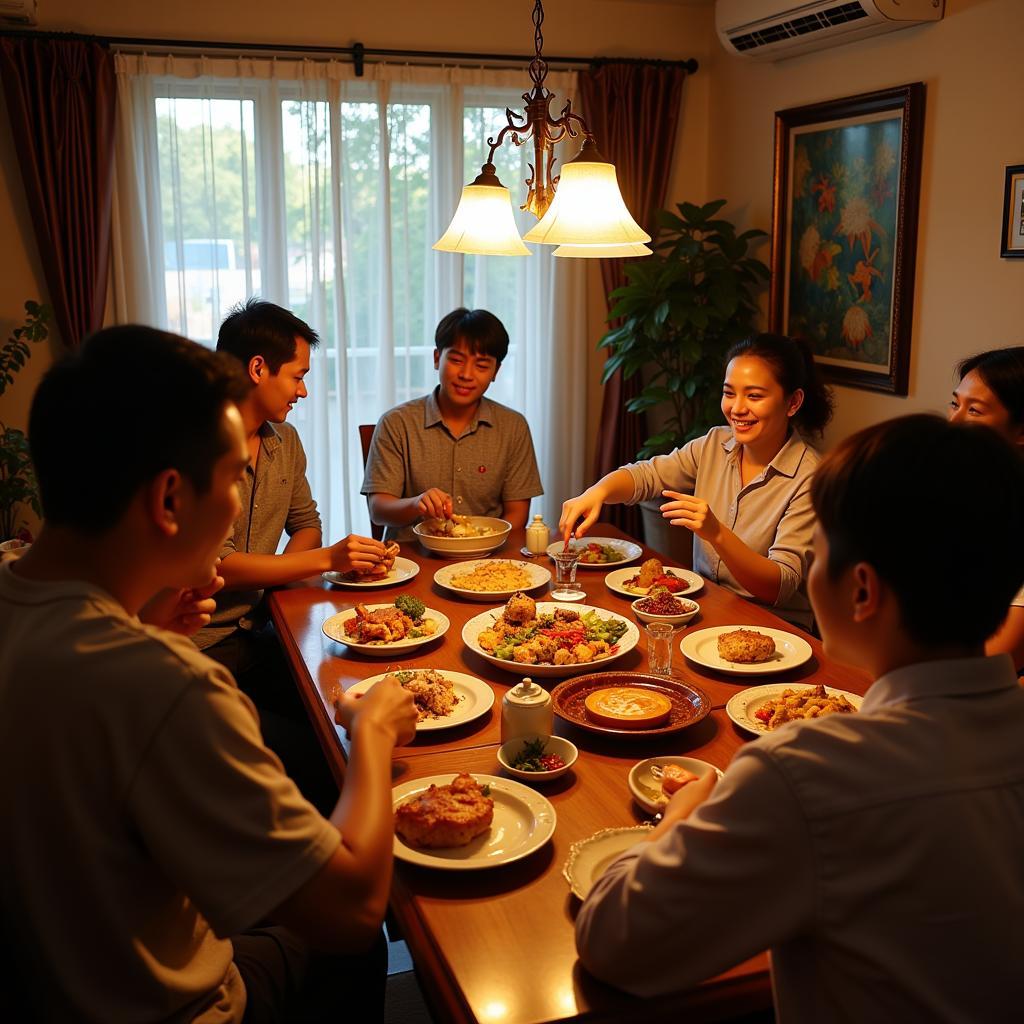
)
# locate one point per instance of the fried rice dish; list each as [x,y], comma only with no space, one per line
[493,577]
[797,705]
[745,647]
[446,816]
[433,693]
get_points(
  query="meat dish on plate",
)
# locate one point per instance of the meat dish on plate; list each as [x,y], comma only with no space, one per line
[653,574]
[446,816]
[404,619]
[433,693]
[745,646]
[795,705]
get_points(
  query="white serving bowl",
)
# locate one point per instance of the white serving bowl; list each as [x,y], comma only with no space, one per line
[464,546]
[672,620]
[552,745]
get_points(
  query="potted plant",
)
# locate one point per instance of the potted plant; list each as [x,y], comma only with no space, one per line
[17,478]
[682,309]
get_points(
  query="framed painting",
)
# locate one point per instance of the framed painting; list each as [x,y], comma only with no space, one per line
[844,232]
[1012,243]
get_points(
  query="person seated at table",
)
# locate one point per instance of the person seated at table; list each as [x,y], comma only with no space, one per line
[991,392]
[454,451]
[157,863]
[877,854]
[743,489]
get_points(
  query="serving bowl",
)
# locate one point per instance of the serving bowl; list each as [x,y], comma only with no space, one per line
[464,547]
[692,610]
[565,749]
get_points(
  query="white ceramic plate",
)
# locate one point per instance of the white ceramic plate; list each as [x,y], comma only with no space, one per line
[476,625]
[523,822]
[402,571]
[590,858]
[701,647]
[444,577]
[475,698]
[743,706]
[334,627]
[646,789]
[465,547]
[616,581]
[630,551]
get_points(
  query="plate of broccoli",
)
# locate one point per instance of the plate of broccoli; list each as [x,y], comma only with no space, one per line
[384,628]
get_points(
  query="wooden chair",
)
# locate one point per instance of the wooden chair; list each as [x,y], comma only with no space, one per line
[365,437]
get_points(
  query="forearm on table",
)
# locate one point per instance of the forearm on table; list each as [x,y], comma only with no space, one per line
[758,574]
[246,571]
[1009,638]
[390,510]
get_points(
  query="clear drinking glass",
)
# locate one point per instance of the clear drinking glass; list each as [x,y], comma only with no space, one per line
[565,588]
[659,648]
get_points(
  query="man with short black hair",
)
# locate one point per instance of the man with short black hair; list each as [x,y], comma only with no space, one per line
[878,854]
[149,834]
[454,451]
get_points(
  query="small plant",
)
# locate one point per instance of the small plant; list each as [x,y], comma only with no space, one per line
[682,309]
[18,486]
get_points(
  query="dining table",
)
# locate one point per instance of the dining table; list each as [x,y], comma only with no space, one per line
[496,946]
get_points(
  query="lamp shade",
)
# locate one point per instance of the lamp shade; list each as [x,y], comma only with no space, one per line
[598,252]
[483,224]
[588,210]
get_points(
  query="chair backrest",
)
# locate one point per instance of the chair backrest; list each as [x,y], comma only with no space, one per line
[365,437]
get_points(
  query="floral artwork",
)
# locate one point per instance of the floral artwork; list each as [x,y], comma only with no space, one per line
[840,273]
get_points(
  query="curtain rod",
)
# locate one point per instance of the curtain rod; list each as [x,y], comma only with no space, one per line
[357,52]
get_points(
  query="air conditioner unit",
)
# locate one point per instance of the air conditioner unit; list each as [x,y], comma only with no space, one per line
[775,29]
[18,12]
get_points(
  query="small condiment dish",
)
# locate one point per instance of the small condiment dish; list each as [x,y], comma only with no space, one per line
[565,749]
[693,609]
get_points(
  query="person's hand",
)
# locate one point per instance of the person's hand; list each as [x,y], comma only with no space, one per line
[356,553]
[588,505]
[693,513]
[183,611]
[685,801]
[435,504]
[386,704]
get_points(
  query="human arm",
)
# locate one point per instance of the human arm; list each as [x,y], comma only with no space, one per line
[248,571]
[516,512]
[390,510]
[1009,638]
[612,489]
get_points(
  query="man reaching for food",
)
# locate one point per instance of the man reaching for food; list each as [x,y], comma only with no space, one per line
[454,452]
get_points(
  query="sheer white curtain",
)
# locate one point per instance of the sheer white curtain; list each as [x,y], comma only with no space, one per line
[323,192]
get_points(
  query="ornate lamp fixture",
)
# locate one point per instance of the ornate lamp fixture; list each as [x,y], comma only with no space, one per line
[585,217]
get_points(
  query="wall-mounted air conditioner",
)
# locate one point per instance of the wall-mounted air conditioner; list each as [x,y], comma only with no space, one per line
[18,12]
[776,29]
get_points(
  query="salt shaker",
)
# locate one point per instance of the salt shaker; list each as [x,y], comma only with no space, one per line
[537,536]
[526,711]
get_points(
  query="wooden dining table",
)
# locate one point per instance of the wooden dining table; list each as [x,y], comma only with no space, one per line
[496,946]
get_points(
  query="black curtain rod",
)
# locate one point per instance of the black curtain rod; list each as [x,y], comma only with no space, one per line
[357,53]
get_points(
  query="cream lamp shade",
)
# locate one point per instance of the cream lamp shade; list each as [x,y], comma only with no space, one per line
[599,252]
[484,224]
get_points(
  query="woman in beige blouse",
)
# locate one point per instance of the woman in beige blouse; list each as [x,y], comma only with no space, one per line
[744,489]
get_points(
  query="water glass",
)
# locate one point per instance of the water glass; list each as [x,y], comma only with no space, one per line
[565,574]
[659,648]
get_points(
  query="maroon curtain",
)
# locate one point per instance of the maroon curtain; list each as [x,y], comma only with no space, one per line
[633,111]
[60,96]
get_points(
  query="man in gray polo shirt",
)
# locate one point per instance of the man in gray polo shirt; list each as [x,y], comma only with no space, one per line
[454,451]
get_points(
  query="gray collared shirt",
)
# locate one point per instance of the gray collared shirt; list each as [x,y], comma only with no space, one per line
[491,463]
[275,499]
[772,514]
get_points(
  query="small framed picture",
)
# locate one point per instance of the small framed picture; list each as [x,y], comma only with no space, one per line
[1012,243]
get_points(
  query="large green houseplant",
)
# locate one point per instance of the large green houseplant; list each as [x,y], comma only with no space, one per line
[17,478]
[682,309]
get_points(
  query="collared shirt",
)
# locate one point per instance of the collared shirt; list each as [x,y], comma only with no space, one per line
[772,514]
[275,499]
[490,464]
[880,855]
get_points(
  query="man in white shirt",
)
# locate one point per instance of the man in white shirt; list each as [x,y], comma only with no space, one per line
[879,855]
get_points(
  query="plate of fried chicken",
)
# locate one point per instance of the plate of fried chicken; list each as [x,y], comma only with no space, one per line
[383,629]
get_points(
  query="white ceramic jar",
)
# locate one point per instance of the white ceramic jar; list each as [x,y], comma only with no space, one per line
[538,536]
[526,711]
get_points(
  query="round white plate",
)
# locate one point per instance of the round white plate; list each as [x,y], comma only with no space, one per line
[743,706]
[701,647]
[630,551]
[646,789]
[590,858]
[334,627]
[401,572]
[476,625]
[523,822]
[444,576]
[616,580]
[475,698]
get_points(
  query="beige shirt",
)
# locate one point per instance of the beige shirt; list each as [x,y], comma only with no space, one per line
[491,463]
[880,856]
[772,515]
[144,820]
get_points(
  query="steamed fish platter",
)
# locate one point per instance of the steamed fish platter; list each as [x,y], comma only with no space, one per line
[445,816]
[433,693]
[562,638]
[404,620]
[458,526]
[653,575]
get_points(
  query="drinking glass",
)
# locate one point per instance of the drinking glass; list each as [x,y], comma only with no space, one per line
[659,648]
[565,588]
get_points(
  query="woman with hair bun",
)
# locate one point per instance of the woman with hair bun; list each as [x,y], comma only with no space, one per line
[743,489]
[990,392]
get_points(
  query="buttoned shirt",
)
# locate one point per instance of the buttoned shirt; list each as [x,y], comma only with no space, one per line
[490,463]
[880,855]
[275,499]
[772,514]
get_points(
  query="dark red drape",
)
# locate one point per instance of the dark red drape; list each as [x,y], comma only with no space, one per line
[60,96]
[633,111]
